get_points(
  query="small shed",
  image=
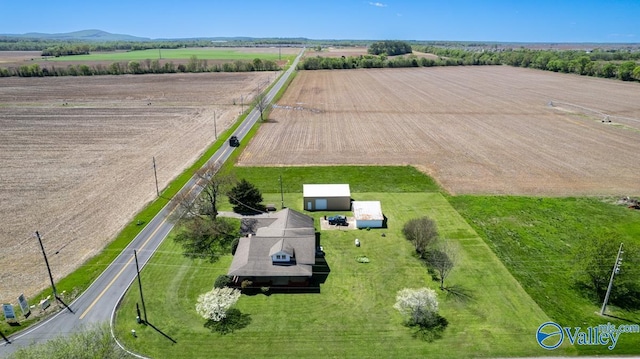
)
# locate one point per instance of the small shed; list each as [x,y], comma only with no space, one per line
[368,214]
[326,197]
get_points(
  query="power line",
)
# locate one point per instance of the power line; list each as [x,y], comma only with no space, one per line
[246,205]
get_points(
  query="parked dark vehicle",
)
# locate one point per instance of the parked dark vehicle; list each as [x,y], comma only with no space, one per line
[233,141]
[338,220]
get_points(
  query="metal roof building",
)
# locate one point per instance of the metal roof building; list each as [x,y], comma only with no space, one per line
[326,197]
[368,214]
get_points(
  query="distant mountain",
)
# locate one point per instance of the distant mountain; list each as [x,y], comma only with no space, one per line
[99,35]
[84,35]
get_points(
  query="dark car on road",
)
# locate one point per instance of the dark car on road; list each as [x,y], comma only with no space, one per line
[338,220]
[233,141]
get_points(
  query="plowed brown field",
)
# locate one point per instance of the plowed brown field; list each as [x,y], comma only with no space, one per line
[76,158]
[482,130]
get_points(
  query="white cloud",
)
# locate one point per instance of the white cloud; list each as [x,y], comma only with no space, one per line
[377,4]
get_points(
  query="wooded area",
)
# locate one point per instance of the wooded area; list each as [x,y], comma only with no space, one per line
[618,64]
[621,64]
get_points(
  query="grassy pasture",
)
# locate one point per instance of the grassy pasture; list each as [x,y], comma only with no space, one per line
[360,178]
[537,240]
[174,54]
[353,314]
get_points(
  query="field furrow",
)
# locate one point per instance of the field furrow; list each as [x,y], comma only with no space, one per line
[490,129]
[76,158]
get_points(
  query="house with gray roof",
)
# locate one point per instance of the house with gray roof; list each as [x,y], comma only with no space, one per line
[282,252]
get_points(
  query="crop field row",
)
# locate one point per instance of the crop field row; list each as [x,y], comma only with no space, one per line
[489,130]
[77,158]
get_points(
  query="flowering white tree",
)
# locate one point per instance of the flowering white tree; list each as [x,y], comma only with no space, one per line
[420,306]
[214,305]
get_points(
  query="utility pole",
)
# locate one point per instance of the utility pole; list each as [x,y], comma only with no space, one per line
[281,193]
[155,174]
[616,270]
[53,285]
[144,308]
[215,130]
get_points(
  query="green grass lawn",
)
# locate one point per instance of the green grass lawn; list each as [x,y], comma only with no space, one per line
[173,54]
[353,315]
[390,179]
[537,240]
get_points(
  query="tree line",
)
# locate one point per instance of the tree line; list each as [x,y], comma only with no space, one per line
[390,48]
[66,50]
[621,65]
[374,61]
[439,254]
[147,66]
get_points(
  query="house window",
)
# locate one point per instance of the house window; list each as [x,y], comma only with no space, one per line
[277,256]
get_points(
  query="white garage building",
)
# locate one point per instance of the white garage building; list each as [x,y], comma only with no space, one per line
[368,214]
[326,197]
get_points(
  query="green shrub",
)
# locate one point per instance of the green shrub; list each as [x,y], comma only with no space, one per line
[222,281]
[234,246]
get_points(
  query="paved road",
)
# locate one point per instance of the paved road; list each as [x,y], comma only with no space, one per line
[98,302]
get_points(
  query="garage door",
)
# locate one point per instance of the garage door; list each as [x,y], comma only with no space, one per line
[321,204]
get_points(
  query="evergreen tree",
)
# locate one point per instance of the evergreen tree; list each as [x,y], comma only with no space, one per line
[245,198]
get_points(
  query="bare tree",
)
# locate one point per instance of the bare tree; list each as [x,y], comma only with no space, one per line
[443,259]
[422,232]
[186,203]
[212,184]
[261,104]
